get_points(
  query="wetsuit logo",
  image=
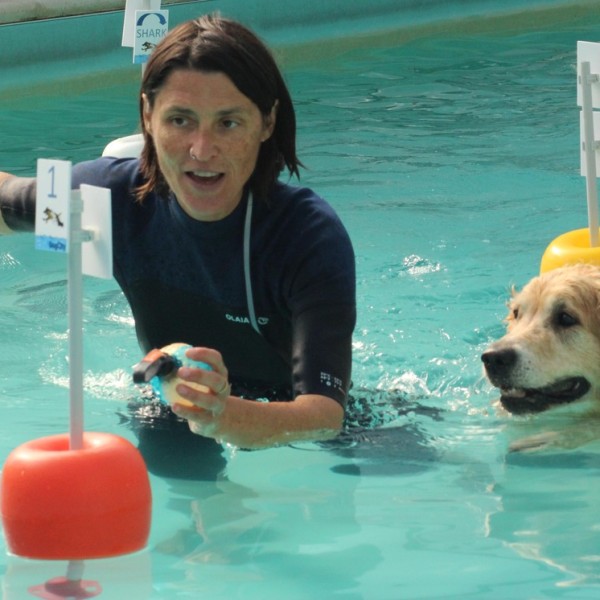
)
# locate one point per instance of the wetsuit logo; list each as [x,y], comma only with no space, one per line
[245,320]
[332,381]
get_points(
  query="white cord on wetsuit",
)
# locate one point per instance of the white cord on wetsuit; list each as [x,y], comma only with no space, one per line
[249,297]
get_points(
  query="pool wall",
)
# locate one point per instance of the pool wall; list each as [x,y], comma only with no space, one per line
[281,12]
[14,11]
[286,19]
[299,31]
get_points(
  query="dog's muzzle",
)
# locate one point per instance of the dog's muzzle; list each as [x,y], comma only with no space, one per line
[499,365]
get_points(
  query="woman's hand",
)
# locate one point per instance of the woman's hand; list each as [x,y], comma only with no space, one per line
[204,417]
[228,419]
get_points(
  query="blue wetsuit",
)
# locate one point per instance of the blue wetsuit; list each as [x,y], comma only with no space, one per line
[185,280]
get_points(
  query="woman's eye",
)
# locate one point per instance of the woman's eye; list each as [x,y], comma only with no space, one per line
[229,123]
[179,121]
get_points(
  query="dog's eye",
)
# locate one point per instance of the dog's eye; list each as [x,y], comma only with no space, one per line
[564,319]
[515,313]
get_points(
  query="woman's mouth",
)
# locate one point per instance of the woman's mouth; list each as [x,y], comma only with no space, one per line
[205,178]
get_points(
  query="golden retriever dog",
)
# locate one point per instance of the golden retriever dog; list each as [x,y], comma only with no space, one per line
[548,362]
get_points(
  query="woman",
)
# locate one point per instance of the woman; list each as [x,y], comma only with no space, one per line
[212,250]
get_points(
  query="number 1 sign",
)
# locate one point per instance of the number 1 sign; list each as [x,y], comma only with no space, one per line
[52,205]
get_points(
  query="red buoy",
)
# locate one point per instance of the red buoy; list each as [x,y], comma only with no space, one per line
[63,504]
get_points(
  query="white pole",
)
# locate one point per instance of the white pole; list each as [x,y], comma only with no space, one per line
[75,306]
[585,81]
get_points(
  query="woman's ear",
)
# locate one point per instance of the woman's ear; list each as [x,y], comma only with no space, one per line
[147,111]
[269,122]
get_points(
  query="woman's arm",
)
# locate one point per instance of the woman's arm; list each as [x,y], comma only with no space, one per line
[3,226]
[249,424]
[17,203]
[4,229]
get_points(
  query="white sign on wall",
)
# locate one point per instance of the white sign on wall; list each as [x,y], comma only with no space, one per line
[131,6]
[150,28]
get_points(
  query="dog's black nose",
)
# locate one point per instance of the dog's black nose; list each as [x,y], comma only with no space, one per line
[499,360]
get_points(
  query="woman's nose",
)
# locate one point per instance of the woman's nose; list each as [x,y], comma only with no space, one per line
[203,146]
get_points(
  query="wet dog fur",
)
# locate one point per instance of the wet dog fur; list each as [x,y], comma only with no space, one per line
[547,365]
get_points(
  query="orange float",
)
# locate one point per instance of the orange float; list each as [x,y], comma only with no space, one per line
[63,504]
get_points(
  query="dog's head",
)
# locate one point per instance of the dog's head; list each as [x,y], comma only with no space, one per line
[550,355]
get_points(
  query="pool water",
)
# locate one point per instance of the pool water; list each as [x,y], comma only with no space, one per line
[453,161]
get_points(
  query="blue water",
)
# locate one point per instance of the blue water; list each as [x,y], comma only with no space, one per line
[453,161]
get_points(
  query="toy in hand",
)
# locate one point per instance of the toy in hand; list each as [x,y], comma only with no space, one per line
[159,368]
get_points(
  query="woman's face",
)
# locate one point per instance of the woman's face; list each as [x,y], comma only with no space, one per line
[207,136]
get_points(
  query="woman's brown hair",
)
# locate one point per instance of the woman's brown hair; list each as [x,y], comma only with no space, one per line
[215,44]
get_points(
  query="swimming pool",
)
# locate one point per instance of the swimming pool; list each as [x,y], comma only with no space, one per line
[453,161]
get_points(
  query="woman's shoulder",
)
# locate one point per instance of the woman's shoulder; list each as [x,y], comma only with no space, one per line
[302,201]
[108,172]
[298,213]
[287,192]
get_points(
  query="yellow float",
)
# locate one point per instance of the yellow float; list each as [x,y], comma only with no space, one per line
[570,248]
